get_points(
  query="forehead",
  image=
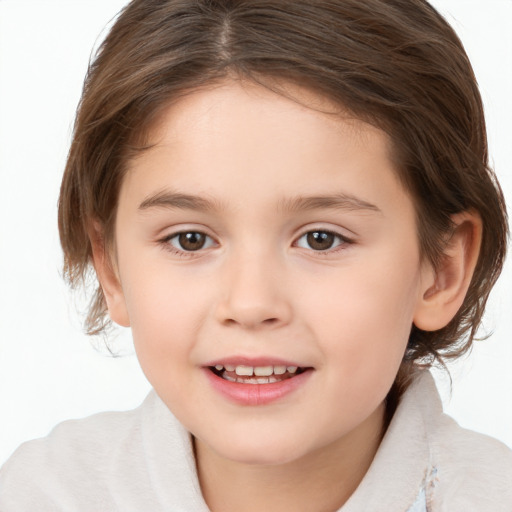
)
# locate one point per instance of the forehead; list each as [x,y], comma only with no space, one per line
[265,110]
[237,134]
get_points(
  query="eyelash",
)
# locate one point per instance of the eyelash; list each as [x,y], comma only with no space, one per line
[182,253]
[342,244]
[343,241]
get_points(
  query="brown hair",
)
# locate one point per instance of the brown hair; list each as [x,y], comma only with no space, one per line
[394,63]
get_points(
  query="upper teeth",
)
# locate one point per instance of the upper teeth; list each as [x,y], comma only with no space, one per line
[259,371]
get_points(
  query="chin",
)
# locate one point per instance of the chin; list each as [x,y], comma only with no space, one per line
[260,452]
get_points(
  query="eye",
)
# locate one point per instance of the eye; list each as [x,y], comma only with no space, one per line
[320,240]
[189,241]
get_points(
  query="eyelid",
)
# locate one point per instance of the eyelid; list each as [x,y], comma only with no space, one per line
[165,242]
[344,239]
[183,227]
[177,235]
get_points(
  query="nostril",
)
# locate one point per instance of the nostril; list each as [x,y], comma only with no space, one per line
[253,312]
[251,322]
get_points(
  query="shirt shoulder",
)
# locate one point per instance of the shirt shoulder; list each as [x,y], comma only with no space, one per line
[54,472]
[427,463]
[473,472]
[130,461]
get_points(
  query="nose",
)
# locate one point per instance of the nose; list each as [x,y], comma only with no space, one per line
[253,294]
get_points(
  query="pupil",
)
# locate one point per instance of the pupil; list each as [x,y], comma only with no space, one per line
[192,241]
[320,240]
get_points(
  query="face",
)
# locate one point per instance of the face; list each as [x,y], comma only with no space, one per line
[269,269]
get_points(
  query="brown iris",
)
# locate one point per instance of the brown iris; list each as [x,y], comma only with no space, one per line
[192,241]
[320,240]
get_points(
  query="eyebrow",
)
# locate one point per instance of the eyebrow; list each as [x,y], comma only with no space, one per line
[176,200]
[339,201]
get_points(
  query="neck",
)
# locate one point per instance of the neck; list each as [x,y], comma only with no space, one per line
[322,480]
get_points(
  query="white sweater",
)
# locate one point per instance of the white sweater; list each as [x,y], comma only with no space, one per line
[142,461]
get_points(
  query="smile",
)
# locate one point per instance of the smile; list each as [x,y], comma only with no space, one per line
[256,374]
[259,383]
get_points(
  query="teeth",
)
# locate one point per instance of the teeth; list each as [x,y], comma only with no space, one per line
[279,370]
[257,380]
[258,371]
[245,371]
[263,371]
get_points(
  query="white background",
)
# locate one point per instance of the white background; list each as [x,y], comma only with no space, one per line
[49,371]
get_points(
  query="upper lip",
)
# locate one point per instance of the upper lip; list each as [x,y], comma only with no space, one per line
[254,361]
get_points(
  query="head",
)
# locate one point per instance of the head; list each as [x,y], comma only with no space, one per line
[394,71]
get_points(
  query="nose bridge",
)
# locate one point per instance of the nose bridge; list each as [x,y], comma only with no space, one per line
[252,293]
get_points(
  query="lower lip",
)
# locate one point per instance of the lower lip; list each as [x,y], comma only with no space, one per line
[256,394]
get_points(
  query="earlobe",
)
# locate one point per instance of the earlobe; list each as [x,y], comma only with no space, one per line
[108,277]
[445,288]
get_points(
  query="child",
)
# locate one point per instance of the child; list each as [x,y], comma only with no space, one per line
[291,207]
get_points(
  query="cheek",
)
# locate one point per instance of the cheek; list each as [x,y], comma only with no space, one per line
[165,311]
[362,319]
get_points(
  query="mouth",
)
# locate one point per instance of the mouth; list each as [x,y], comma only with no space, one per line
[244,374]
[256,381]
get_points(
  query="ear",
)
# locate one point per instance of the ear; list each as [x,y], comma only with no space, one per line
[445,288]
[108,276]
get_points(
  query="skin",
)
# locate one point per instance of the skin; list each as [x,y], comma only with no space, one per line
[257,288]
